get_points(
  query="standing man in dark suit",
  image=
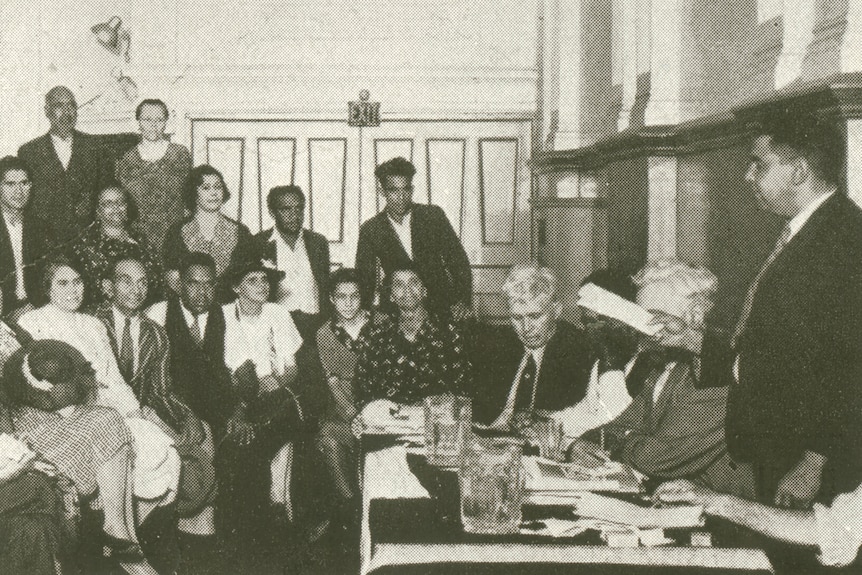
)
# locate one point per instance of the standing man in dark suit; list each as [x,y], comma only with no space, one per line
[24,238]
[542,364]
[303,255]
[417,236]
[68,167]
[794,361]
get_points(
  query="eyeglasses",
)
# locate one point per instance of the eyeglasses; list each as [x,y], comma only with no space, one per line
[24,184]
[397,190]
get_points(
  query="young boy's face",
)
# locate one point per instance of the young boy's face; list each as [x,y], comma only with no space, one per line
[346,300]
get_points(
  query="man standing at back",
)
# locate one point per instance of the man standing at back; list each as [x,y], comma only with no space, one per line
[68,167]
[303,256]
[420,236]
[794,361]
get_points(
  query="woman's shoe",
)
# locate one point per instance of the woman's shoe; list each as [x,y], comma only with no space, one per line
[122,550]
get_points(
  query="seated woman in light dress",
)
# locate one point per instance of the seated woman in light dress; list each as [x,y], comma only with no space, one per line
[157,464]
[89,444]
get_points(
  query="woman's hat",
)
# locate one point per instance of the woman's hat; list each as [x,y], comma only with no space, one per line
[241,268]
[48,374]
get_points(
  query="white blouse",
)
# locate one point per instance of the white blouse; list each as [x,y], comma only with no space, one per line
[269,340]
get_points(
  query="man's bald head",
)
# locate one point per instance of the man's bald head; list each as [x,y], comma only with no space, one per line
[61,109]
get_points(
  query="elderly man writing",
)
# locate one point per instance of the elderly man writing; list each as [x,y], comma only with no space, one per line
[541,363]
[673,428]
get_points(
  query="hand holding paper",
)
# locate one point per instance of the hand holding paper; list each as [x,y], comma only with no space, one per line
[611,305]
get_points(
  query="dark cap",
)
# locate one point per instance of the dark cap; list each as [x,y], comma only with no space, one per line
[241,268]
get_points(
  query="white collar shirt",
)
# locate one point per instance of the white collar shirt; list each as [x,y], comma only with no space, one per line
[190,320]
[505,417]
[16,238]
[298,290]
[134,327]
[63,148]
[404,231]
[661,381]
[800,219]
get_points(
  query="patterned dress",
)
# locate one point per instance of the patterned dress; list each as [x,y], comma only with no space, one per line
[95,253]
[185,236]
[157,189]
[78,443]
[391,367]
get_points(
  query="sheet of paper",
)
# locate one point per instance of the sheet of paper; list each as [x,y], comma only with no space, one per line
[609,304]
[388,476]
[616,511]
[13,449]
[384,416]
[543,477]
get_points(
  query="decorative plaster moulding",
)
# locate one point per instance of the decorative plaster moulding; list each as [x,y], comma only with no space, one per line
[839,95]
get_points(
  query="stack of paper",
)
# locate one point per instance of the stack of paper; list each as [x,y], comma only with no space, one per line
[12,449]
[382,416]
[617,511]
[548,480]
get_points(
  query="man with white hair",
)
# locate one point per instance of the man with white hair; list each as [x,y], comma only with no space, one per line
[543,363]
[673,428]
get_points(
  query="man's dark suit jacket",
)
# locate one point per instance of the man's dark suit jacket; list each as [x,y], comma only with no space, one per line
[563,376]
[438,256]
[199,374]
[64,197]
[37,239]
[317,247]
[800,356]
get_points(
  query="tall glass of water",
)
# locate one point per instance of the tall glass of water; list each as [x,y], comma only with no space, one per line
[491,480]
[448,420]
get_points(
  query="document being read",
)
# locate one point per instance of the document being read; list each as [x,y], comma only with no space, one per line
[609,304]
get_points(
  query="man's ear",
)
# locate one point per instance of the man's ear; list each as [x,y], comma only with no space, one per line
[801,171]
[108,288]
[557,309]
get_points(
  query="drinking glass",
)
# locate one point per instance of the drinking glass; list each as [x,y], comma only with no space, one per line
[546,433]
[491,482]
[448,419]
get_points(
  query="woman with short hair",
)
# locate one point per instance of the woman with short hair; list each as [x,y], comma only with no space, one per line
[154,172]
[112,236]
[206,229]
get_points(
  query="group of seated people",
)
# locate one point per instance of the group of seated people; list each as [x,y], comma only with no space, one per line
[164,364]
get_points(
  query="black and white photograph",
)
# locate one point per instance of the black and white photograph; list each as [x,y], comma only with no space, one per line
[430,287]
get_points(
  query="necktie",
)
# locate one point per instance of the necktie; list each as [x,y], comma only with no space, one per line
[524,397]
[749,298]
[196,330]
[127,352]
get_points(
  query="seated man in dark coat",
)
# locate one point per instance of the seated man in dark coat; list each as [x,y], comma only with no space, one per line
[542,363]
[143,356]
